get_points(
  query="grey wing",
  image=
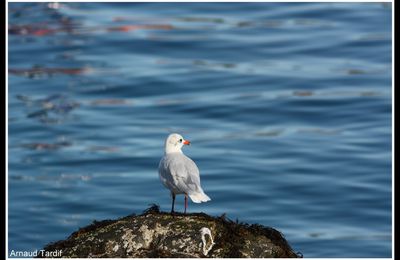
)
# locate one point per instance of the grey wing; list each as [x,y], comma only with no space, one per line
[166,177]
[186,174]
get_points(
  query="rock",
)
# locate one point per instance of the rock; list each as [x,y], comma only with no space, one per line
[160,234]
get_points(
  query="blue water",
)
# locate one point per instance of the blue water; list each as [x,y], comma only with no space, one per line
[288,107]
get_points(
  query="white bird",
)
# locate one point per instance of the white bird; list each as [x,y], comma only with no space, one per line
[179,173]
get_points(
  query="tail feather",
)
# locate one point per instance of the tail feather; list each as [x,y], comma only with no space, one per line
[199,197]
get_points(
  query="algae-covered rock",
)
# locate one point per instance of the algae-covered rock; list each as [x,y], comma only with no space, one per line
[160,234]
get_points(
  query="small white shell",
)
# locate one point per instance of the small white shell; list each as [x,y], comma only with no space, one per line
[206,231]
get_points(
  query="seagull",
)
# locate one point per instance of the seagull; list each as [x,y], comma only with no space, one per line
[179,173]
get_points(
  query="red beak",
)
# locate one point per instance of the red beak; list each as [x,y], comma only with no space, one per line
[186,142]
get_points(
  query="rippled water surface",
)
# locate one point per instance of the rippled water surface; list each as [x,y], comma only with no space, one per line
[288,107]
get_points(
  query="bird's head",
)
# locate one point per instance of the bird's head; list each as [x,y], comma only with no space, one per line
[174,143]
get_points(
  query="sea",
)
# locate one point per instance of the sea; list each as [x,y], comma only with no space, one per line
[288,107]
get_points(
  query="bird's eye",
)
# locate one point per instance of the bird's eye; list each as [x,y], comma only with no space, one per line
[180,140]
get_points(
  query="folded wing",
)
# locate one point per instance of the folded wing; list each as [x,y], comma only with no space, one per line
[183,175]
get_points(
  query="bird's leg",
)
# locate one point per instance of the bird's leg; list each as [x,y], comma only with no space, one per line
[186,202]
[173,202]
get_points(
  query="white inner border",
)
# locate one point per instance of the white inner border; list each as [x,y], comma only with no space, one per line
[324,1]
